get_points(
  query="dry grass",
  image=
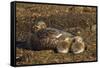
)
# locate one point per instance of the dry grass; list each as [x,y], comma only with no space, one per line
[72,19]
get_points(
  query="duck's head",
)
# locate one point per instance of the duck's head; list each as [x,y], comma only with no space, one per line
[39,26]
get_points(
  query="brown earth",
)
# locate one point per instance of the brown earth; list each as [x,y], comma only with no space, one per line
[75,19]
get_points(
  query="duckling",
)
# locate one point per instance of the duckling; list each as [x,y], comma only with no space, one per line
[78,46]
[64,46]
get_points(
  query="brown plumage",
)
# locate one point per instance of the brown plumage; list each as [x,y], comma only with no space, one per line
[78,45]
[51,38]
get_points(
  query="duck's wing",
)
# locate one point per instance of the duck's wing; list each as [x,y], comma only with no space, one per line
[58,33]
[54,33]
[67,34]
